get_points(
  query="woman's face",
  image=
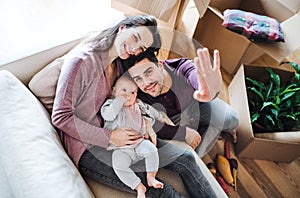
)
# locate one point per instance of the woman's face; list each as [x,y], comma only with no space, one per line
[132,41]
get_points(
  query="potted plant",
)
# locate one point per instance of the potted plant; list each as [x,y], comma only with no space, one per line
[269,98]
[274,104]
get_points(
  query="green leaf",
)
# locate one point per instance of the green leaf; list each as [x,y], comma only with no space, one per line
[256,83]
[275,112]
[278,100]
[269,89]
[274,77]
[297,114]
[293,117]
[270,119]
[265,104]
[288,95]
[254,117]
[297,78]
[254,90]
[288,89]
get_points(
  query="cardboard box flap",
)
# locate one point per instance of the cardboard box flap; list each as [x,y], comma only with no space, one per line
[271,8]
[279,50]
[201,6]
[232,4]
[271,150]
[293,5]
[160,9]
[238,85]
[278,9]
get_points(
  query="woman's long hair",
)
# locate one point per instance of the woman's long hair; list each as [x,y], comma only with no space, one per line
[105,39]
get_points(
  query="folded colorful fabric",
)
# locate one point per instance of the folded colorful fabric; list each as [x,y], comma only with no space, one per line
[254,26]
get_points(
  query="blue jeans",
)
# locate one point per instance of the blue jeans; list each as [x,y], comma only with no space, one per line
[96,164]
[209,119]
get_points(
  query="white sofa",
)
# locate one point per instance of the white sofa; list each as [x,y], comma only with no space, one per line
[33,162]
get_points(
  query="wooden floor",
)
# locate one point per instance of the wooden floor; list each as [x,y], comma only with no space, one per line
[259,178]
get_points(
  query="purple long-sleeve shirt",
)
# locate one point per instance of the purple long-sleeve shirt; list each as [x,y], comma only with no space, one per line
[177,99]
[82,88]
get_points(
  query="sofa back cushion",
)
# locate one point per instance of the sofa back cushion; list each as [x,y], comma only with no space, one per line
[43,84]
[32,157]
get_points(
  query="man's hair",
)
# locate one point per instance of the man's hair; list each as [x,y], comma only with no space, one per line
[130,62]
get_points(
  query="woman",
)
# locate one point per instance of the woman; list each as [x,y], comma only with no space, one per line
[85,82]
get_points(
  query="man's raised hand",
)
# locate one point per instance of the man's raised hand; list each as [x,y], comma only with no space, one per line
[209,75]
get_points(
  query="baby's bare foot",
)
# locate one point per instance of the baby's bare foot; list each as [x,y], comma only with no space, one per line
[141,190]
[140,195]
[152,182]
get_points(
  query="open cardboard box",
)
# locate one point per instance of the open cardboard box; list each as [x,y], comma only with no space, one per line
[236,49]
[248,145]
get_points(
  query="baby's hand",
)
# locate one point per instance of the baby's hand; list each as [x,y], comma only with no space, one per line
[153,139]
[124,98]
[146,136]
[150,133]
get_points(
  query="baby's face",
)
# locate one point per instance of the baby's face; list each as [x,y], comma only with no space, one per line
[127,89]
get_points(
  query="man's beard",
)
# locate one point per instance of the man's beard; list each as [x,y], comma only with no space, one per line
[158,89]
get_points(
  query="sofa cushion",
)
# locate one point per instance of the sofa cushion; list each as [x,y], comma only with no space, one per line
[43,84]
[32,157]
[5,187]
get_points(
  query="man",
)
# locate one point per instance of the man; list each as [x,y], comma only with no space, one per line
[187,92]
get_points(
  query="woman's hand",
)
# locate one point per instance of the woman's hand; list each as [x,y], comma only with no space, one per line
[192,137]
[209,76]
[124,136]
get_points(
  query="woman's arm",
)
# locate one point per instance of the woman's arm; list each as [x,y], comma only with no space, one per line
[68,110]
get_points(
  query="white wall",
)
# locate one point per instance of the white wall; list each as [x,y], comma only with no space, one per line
[31,26]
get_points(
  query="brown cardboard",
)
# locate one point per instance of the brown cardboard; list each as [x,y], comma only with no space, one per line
[236,49]
[201,6]
[248,145]
[160,9]
[183,44]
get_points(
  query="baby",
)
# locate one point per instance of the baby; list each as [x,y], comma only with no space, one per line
[125,110]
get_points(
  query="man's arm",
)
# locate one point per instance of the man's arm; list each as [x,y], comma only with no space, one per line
[169,132]
[205,78]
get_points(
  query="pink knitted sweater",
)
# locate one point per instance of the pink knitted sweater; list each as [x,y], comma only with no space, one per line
[83,86]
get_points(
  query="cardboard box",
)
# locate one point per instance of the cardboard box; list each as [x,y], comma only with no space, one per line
[236,49]
[248,145]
